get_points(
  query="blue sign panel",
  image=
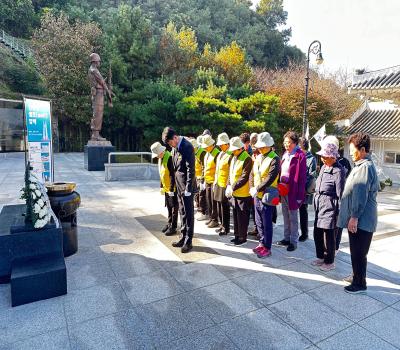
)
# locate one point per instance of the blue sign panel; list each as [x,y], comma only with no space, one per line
[39,138]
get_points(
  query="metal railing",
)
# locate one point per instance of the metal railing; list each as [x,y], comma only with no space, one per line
[141,154]
[16,45]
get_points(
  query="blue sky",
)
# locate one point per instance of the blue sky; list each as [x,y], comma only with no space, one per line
[353,33]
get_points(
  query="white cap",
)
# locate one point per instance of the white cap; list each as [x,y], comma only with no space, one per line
[207,141]
[235,143]
[156,149]
[264,140]
[222,139]
[194,143]
[253,134]
[199,140]
[331,139]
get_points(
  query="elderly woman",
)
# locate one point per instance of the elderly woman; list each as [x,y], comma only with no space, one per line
[358,211]
[293,179]
[328,191]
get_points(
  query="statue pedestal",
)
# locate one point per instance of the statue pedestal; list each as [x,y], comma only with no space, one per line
[96,154]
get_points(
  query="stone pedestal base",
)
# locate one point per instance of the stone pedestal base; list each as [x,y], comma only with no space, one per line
[96,154]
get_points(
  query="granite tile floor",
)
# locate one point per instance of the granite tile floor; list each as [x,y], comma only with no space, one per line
[127,290]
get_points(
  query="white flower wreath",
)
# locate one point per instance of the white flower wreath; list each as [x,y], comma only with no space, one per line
[35,194]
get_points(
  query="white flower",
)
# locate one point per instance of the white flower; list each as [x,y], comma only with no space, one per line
[33,195]
[38,193]
[39,223]
[32,187]
[43,213]
[40,202]
[37,208]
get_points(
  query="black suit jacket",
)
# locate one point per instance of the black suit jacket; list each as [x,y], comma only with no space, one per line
[183,159]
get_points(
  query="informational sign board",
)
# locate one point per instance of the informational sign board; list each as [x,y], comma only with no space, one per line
[39,138]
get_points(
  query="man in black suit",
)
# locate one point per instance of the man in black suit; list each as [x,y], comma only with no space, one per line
[183,160]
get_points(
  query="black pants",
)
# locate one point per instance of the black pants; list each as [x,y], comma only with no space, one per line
[253,215]
[274,214]
[324,240]
[339,231]
[186,210]
[212,209]
[173,208]
[241,216]
[201,201]
[304,219]
[224,214]
[359,247]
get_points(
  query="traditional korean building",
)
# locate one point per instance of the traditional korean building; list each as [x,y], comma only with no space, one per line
[379,116]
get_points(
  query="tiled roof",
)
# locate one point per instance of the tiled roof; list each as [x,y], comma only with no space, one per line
[381,124]
[383,80]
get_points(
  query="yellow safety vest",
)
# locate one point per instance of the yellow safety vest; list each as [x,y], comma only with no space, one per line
[198,165]
[209,165]
[236,170]
[164,171]
[222,170]
[261,170]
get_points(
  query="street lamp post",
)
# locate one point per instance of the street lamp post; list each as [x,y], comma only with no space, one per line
[315,48]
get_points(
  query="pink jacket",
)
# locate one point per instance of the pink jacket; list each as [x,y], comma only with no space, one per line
[297,179]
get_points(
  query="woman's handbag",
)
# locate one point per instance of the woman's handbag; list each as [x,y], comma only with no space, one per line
[271,197]
[283,189]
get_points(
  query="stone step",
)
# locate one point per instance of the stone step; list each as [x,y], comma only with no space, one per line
[38,278]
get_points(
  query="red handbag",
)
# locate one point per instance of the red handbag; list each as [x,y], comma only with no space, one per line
[283,189]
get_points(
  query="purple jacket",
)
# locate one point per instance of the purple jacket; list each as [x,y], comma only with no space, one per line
[297,179]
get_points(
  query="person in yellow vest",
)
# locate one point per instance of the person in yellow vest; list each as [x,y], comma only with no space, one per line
[200,196]
[264,179]
[208,143]
[167,180]
[239,190]
[221,181]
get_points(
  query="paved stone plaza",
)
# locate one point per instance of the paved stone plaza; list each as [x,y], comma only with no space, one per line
[129,290]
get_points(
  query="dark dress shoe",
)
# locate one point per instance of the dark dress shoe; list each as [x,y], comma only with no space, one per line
[291,247]
[283,243]
[170,232]
[222,233]
[165,228]
[213,224]
[303,238]
[179,244]
[240,242]
[187,248]
[353,289]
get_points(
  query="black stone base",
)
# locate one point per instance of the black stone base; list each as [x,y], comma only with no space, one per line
[38,278]
[31,259]
[96,156]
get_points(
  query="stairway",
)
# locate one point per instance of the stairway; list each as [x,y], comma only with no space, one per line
[16,45]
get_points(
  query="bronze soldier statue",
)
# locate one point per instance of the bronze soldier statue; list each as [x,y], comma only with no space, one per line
[98,89]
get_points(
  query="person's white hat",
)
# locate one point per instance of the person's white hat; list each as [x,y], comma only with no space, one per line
[194,143]
[235,143]
[156,149]
[264,140]
[199,140]
[223,139]
[253,134]
[331,139]
[207,141]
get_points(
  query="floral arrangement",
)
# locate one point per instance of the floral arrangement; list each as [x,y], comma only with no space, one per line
[38,208]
